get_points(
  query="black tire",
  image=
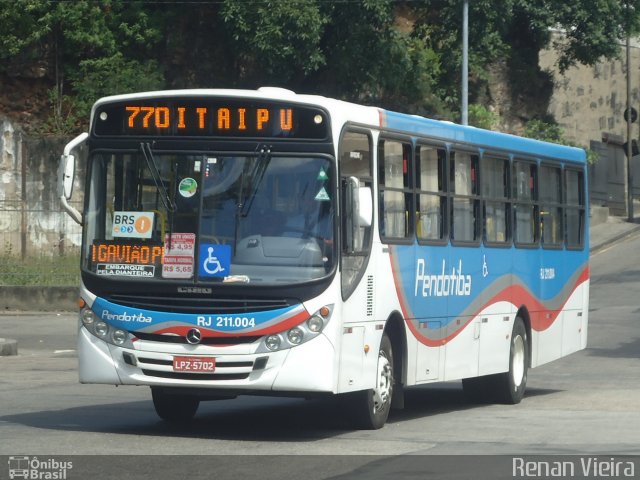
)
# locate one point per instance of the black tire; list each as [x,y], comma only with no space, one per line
[370,408]
[507,387]
[510,386]
[174,408]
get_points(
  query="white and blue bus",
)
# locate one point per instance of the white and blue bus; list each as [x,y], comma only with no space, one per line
[263,242]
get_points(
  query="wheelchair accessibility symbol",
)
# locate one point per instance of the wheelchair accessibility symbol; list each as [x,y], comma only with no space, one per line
[215,260]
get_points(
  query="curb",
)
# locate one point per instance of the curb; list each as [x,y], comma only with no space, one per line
[614,239]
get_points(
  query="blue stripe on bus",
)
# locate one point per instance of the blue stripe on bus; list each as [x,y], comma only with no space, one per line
[150,321]
[451,132]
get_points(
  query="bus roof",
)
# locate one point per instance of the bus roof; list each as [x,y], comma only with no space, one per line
[444,131]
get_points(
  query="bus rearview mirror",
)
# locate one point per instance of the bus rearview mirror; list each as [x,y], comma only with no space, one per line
[359,212]
[67,174]
[365,207]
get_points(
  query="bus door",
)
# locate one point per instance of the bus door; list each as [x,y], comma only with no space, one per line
[356,264]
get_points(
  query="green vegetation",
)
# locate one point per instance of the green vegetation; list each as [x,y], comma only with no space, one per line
[481,117]
[402,55]
[41,270]
[550,131]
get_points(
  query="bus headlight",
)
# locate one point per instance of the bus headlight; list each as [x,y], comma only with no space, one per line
[87,316]
[315,324]
[119,337]
[101,329]
[306,331]
[272,342]
[295,335]
[104,331]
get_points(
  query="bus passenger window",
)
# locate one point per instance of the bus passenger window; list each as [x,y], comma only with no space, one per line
[431,195]
[495,192]
[575,208]
[395,193]
[464,178]
[550,206]
[526,209]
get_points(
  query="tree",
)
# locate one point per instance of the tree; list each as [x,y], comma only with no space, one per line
[371,60]
[592,29]
[84,44]
[397,54]
[274,41]
[439,22]
[516,32]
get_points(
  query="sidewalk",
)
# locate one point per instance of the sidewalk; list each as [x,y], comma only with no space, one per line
[611,231]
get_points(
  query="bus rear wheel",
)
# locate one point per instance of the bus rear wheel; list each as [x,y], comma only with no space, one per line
[370,408]
[510,386]
[174,408]
[507,387]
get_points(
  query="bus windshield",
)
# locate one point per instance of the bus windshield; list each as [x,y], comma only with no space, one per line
[209,218]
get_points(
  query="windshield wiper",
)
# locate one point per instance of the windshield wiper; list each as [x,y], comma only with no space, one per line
[157,178]
[256,179]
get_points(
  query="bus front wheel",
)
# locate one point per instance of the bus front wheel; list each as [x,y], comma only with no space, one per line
[370,408]
[174,408]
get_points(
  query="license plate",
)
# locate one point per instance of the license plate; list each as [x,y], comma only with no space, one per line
[194,364]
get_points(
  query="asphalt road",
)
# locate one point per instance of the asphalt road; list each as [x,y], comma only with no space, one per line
[585,404]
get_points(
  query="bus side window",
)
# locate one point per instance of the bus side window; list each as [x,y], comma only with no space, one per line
[465,207]
[395,190]
[431,193]
[575,208]
[495,192]
[551,206]
[525,203]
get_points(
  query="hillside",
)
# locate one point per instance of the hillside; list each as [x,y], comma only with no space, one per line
[25,101]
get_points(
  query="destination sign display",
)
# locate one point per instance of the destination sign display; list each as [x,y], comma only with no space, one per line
[190,117]
[130,260]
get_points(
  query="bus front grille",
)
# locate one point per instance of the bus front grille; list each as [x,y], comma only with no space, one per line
[219,341]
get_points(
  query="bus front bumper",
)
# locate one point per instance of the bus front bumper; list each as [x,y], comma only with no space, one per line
[310,367]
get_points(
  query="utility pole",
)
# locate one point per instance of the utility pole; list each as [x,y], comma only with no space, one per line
[629,139]
[465,62]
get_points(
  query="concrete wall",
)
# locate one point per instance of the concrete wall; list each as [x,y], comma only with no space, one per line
[590,101]
[38,299]
[32,222]
[10,192]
